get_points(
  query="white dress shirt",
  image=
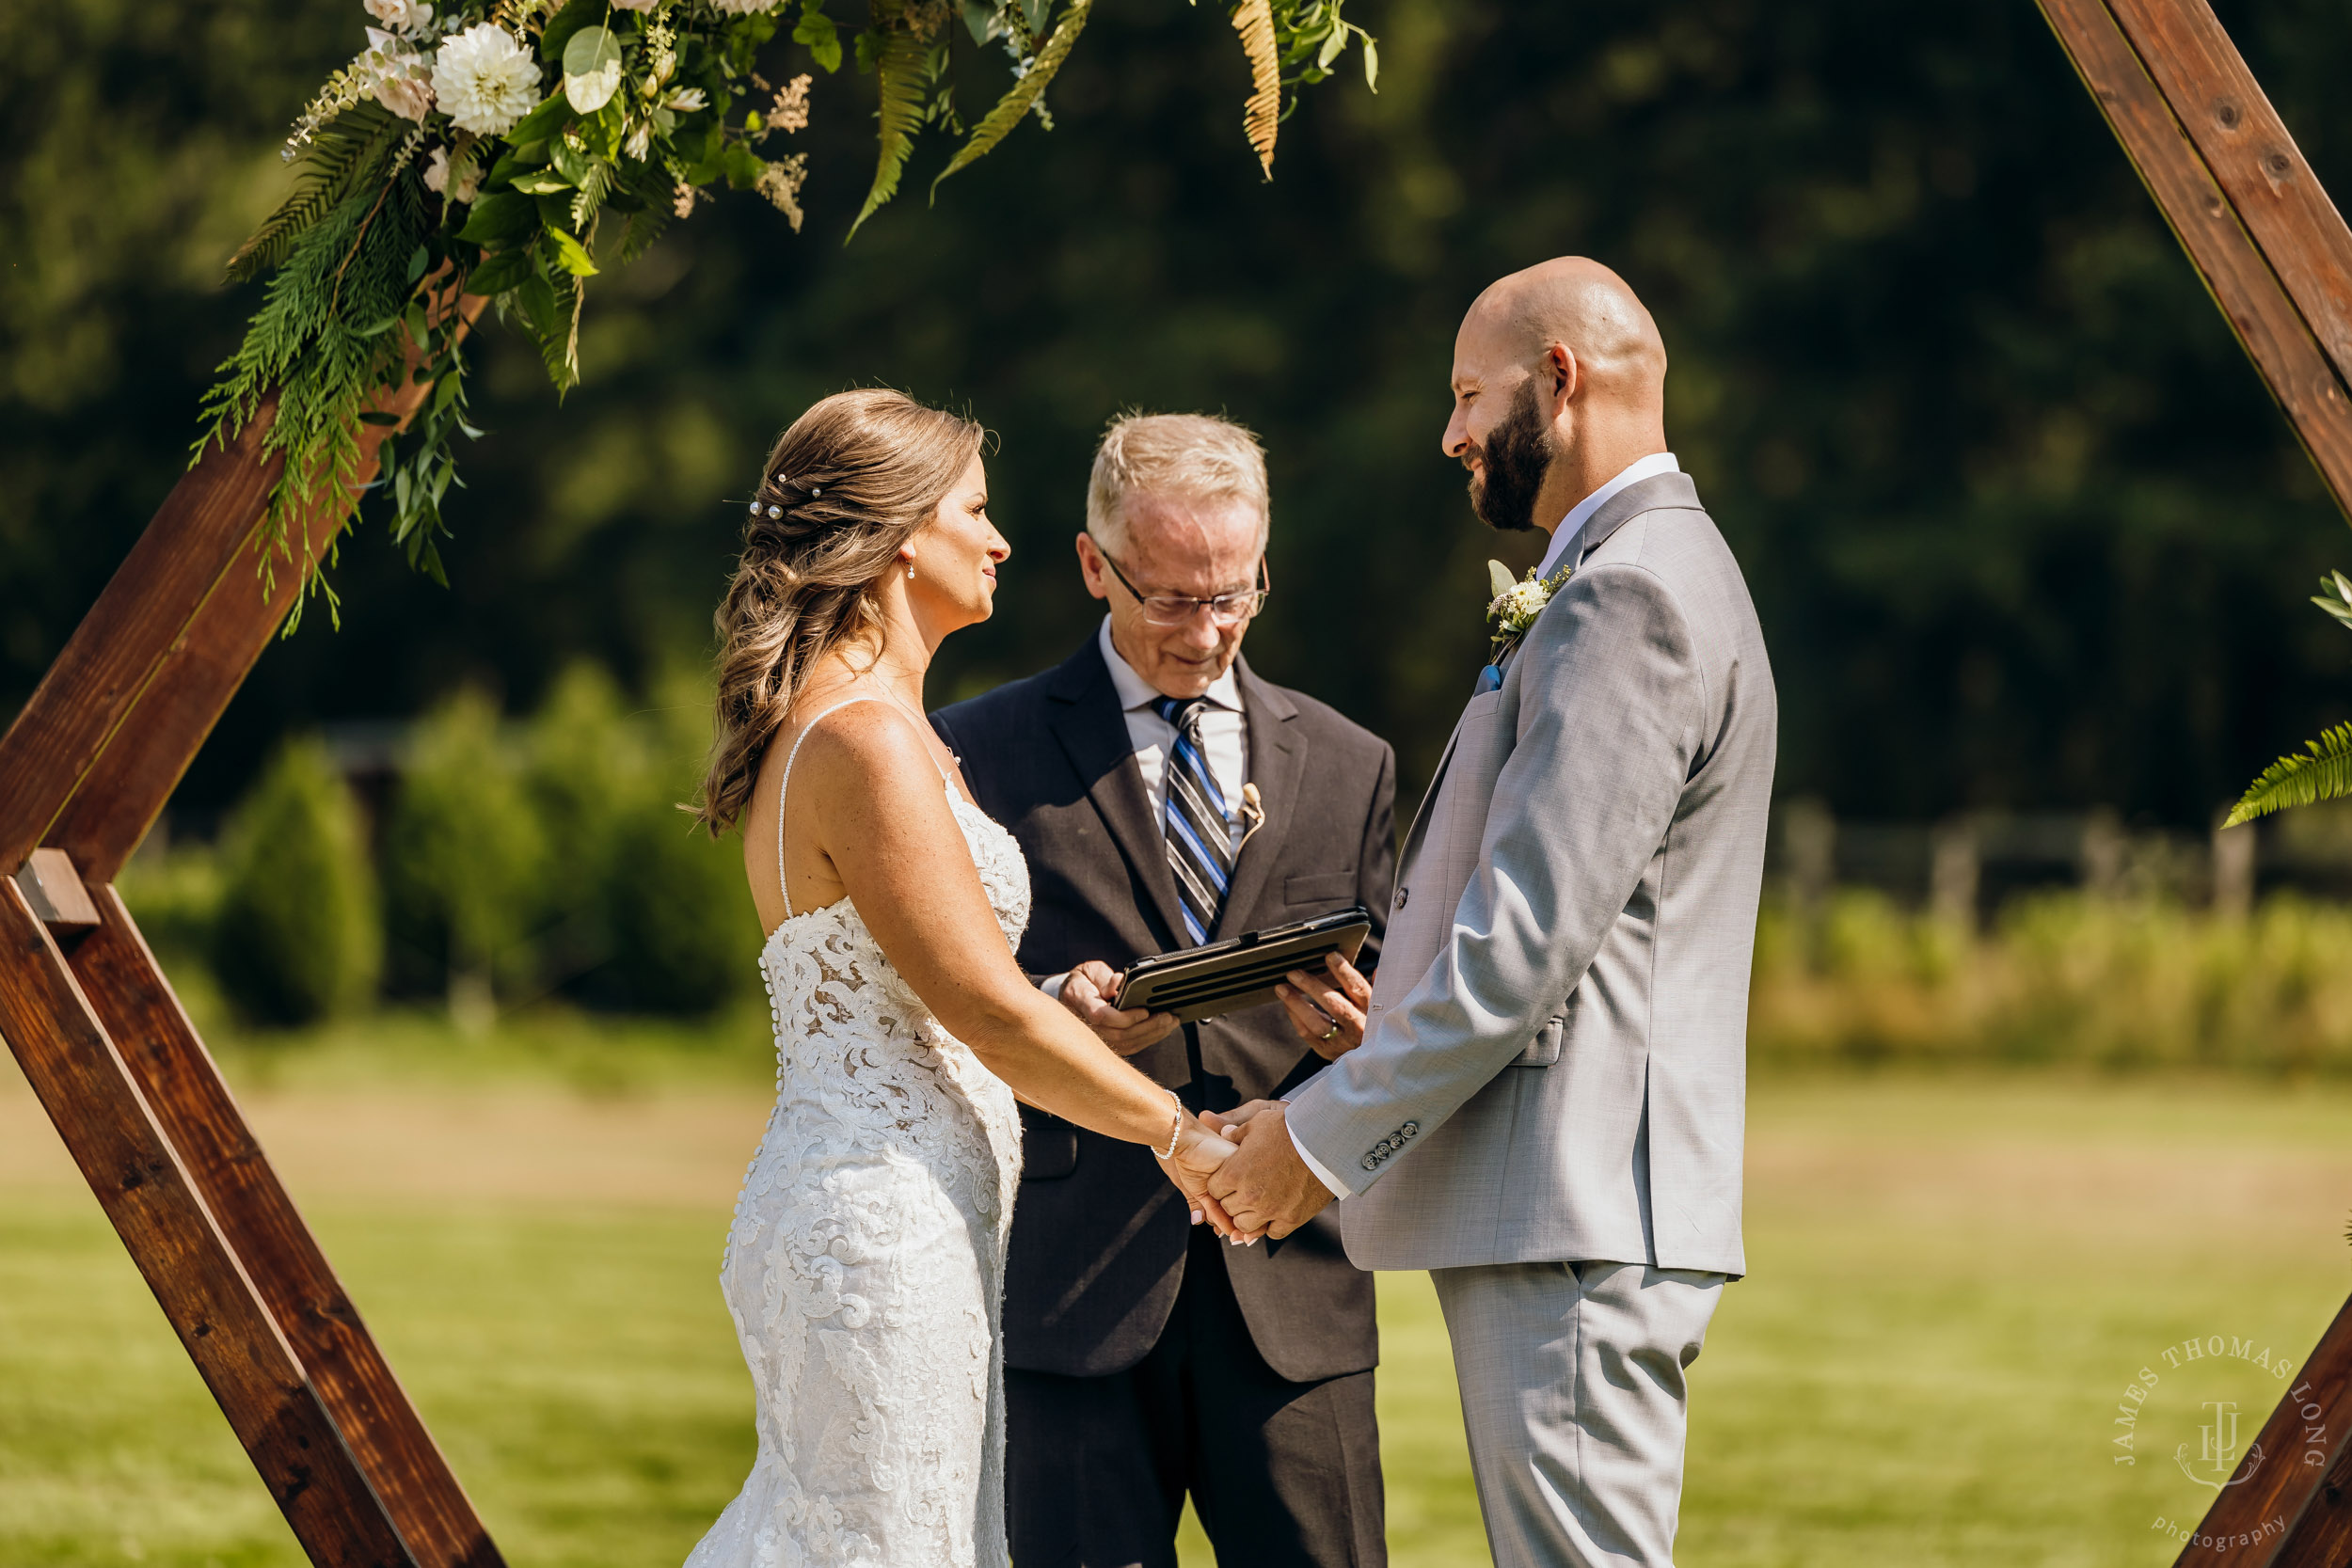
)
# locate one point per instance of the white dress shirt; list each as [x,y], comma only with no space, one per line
[1563,538]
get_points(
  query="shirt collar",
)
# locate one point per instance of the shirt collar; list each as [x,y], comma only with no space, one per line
[1134,691]
[1582,512]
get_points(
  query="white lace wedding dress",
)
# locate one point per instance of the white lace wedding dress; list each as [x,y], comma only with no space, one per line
[866,1264]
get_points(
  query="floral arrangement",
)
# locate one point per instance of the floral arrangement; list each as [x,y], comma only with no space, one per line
[1516,604]
[508,152]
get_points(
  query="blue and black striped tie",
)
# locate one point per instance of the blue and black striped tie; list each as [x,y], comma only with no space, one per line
[1199,835]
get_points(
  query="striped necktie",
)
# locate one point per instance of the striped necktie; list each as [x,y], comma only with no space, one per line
[1199,835]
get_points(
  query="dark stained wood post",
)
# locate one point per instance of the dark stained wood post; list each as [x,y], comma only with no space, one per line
[85,769]
[2277,257]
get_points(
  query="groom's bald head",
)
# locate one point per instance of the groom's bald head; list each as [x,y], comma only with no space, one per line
[1579,304]
[1559,382]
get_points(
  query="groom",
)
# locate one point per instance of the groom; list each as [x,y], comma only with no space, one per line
[1164,796]
[1548,1108]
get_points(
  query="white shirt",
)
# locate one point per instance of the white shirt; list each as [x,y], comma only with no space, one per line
[1562,538]
[1582,512]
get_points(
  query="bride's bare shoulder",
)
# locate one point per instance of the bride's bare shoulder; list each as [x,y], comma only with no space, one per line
[869,746]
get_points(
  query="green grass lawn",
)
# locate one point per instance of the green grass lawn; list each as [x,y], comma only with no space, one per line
[1954,1279]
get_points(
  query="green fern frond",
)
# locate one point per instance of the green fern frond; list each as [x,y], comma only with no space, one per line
[1022,96]
[904,69]
[2322,772]
[333,163]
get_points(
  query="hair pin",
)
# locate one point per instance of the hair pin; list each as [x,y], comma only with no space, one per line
[775,512]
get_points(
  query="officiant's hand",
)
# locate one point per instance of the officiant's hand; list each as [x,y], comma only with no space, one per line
[1326,1005]
[1087,991]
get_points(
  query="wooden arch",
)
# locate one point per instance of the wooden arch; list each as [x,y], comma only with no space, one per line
[87,765]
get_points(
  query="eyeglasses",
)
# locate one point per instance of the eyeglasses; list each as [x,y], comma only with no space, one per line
[1174,610]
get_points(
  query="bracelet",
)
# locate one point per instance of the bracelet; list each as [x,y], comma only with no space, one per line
[1175,1130]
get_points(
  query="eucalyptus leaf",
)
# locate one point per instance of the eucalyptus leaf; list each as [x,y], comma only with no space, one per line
[981,20]
[592,69]
[1034,12]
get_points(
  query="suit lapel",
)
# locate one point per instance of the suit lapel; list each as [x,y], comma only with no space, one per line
[1277,762]
[1093,733]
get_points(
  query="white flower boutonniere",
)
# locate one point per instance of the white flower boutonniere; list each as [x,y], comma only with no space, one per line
[1516,603]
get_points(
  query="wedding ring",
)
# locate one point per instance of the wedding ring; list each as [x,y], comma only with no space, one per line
[1328,1033]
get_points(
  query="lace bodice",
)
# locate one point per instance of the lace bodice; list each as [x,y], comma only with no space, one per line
[866,1262]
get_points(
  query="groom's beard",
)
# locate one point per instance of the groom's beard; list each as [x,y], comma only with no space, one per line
[1517,454]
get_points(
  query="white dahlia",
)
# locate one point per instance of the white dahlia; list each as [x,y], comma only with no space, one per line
[485,79]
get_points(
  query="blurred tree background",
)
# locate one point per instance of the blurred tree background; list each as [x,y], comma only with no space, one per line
[2022,526]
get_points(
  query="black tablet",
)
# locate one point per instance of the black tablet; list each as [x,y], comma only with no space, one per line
[1195,983]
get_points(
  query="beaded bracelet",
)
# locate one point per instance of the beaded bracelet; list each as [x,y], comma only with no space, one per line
[1175,1130]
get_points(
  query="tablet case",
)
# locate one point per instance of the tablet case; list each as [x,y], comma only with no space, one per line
[1195,983]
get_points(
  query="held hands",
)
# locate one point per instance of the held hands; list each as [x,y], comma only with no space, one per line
[1263,1188]
[1326,1005]
[1200,1150]
[1087,991]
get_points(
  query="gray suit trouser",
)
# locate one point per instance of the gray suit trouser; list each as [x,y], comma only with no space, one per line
[1572,1391]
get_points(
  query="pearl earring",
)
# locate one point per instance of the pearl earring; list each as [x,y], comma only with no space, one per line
[910,571]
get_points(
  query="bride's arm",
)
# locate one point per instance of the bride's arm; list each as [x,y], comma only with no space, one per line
[882,820]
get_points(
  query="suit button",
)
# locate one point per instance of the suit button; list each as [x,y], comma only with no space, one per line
[1410,1129]
[1402,895]
[1371,1163]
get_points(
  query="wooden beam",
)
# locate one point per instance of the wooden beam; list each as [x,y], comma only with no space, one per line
[181,1087]
[203,1287]
[2246,144]
[55,893]
[177,564]
[84,771]
[86,766]
[2236,272]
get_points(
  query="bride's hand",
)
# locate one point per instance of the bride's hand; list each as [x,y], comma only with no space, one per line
[1200,1151]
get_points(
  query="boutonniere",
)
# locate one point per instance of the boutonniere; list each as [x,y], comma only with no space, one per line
[1516,605]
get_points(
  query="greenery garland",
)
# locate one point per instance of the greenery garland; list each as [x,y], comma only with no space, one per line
[511,150]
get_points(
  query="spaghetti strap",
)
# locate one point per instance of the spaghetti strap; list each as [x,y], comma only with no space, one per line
[785,784]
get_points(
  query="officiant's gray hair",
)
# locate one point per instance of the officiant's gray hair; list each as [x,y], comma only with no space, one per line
[1180,456]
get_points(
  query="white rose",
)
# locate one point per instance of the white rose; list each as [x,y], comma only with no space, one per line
[401,16]
[485,79]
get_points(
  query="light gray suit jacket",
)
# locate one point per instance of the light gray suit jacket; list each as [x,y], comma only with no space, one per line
[1555,1068]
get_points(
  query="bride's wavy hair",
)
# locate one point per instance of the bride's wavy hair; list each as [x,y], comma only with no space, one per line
[844,487]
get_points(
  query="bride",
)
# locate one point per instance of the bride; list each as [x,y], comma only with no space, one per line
[865,1262]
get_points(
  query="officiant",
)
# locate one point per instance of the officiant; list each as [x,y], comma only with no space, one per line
[1166,796]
